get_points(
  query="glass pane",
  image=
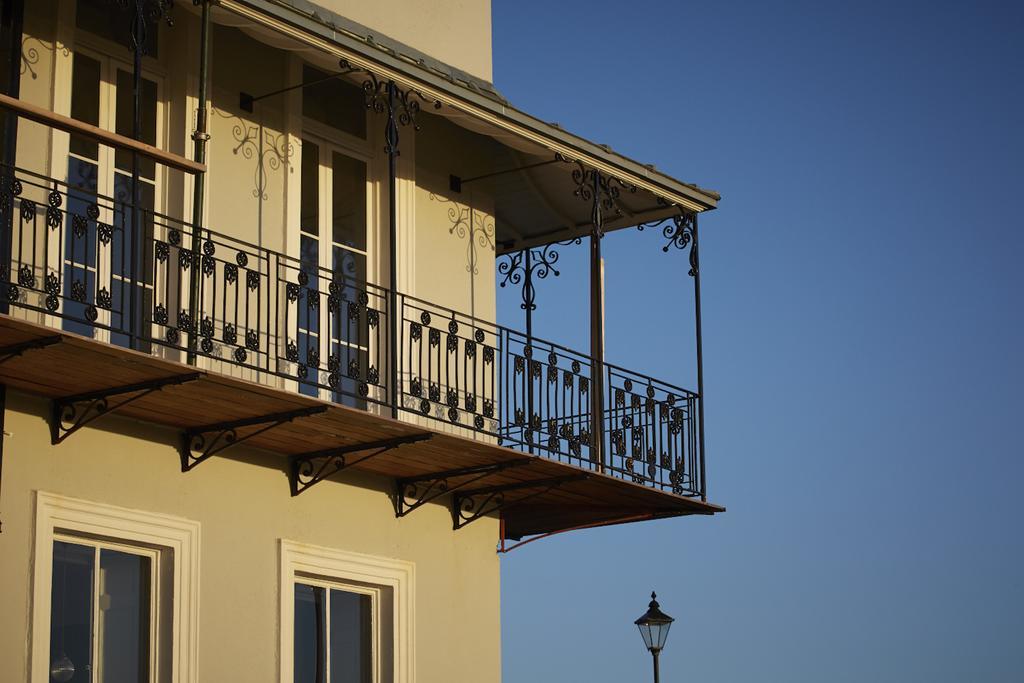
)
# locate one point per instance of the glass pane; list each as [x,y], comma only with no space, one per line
[124,628]
[113,21]
[85,103]
[124,117]
[351,642]
[71,613]
[79,250]
[348,201]
[131,261]
[335,102]
[310,653]
[309,210]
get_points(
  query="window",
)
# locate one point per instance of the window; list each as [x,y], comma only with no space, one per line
[333,102]
[334,634]
[103,612]
[115,594]
[345,617]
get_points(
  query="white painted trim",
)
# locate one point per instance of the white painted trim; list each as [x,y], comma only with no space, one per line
[180,537]
[300,560]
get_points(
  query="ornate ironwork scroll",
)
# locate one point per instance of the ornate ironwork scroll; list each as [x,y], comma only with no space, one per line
[601,190]
[465,227]
[523,267]
[30,54]
[680,231]
[271,151]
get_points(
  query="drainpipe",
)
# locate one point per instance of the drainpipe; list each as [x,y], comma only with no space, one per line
[200,137]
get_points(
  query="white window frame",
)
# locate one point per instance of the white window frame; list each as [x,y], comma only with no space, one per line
[356,572]
[62,518]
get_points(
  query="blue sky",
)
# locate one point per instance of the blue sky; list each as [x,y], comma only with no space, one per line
[864,326]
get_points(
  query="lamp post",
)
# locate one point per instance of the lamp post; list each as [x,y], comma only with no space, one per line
[654,626]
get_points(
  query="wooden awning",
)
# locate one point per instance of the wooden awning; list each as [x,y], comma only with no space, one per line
[533,495]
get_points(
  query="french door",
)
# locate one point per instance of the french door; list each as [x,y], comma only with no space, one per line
[106,260]
[336,333]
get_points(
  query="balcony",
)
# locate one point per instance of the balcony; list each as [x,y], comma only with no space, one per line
[233,309]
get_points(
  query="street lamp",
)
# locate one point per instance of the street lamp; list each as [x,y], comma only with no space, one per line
[654,626]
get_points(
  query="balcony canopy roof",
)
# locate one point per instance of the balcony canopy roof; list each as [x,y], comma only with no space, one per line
[530,172]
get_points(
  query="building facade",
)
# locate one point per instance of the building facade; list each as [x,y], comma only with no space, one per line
[259,420]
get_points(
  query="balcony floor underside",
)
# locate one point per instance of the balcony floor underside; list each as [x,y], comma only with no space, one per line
[78,365]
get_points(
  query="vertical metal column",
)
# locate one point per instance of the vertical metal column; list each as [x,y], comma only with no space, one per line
[138,37]
[200,138]
[596,328]
[3,422]
[12,22]
[695,268]
[529,306]
[391,147]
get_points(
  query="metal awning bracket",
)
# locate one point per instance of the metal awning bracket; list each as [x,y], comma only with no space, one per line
[412,492]
[71,413]
[211,439]
[470,506]
[307,469]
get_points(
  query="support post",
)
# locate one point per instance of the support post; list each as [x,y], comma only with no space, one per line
[596,327]
[528,304]
[200,138]
[695,271]
[12,21]
[394,316]
[138,38]
[3,437]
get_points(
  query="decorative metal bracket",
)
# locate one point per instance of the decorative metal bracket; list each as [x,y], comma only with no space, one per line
[413,492]
[522,267]
[225,434]
[71,413]
[472,505]
[601,190]
[681,232]
[307,469]
[14,350]
[401,106]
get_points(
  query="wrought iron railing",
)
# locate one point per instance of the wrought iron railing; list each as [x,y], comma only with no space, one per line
[93,265]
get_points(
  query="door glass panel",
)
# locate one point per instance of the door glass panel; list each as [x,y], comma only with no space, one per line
[350,638]
[309,219]
[131,262]
[310,628]
[79,268]
[124,617]
[124,119]
[85,104]
[348,201]
[71,611]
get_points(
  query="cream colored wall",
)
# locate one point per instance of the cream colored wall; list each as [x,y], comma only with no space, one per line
[244,507]
[457,32]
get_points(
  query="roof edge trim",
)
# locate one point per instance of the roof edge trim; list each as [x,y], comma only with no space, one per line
[289,21]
